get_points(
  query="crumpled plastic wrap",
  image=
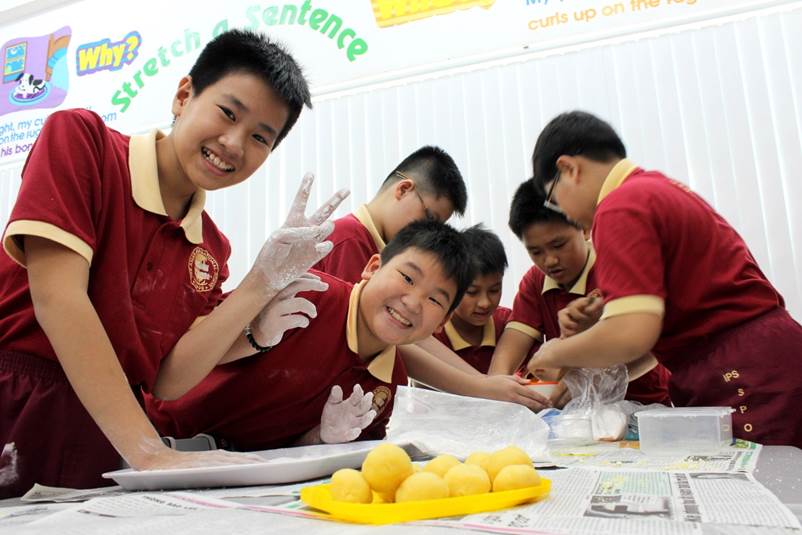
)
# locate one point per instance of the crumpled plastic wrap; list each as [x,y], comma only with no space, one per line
[439,423]
[596,410]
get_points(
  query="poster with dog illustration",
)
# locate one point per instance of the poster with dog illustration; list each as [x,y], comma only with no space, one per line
[34,72]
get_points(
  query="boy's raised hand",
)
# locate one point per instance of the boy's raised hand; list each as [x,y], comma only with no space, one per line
[291,250]
[580,314]
[286,311]
[344,420]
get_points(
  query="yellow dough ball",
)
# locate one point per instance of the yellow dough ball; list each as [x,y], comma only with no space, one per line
[501,458]
[348,485]
[422,486]
[478,458]
[467,479]
[516,476]
[441,464]
[385,467]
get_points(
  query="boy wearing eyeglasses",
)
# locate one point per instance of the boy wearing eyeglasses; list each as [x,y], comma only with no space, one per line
[427,184]
[563,271]
[677,280]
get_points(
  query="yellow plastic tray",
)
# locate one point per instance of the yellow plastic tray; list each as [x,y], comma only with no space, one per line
[319,497]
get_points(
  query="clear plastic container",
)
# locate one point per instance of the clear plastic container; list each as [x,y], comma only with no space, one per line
[687,430]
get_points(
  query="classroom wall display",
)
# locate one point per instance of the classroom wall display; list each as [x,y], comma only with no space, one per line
[125,65]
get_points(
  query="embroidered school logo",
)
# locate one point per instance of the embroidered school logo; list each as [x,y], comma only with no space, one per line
[203,270]
[381,398]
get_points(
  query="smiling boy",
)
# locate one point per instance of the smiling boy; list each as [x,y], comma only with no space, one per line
[280,398]
[112,279]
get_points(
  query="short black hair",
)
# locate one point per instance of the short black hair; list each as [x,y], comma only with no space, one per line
[253,53]
[486,249]
[527,209]
[443,241]
[574,133]
[439,175]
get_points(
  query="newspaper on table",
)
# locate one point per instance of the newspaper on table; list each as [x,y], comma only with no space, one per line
[582,501]
[740,457]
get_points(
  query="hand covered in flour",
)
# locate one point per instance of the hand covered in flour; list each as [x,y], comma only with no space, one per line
[286,311]
[344,420]
[291,250]
[160,457]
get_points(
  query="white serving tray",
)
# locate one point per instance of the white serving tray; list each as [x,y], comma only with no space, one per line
[285,465]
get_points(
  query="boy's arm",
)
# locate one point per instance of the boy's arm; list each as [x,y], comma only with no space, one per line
[439,350]
[512,348]
[427,369]
[616,340]
[287,254]
[58,279]
[221,332]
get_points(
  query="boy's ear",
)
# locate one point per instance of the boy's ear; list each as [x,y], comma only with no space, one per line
[373,265]
[402,187]
[569,167]
[439,328]
[182,95]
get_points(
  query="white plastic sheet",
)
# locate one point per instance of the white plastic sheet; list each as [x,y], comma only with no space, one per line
[438,423]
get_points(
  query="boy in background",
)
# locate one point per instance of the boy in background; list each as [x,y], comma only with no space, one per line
[478,321]
[112,279]
[427,185]
[563,271]
[677,280]
[293,393]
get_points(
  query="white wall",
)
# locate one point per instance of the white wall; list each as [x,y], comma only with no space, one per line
[718,107]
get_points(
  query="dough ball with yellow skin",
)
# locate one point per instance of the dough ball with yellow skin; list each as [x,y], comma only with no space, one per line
[466,480]
[478,458]
[441,464]
[508,456]
[516,476]
[348,485]
[422,486]
[385,467]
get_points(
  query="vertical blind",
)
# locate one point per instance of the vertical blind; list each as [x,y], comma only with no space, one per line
[718,107]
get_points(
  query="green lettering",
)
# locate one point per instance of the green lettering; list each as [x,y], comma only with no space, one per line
[270,16]
[150,68]
[317,16]
[289,11]
[252,15]
[220,27]
[357,47]
[346,32]
[119,100]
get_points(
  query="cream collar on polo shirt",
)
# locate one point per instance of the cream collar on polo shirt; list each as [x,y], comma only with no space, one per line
[145,185]
[618,174]
[458,342]
[363,216]
[580,287]
[381,366]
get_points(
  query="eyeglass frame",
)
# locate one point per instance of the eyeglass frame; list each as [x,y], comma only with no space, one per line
[547,202]
[427,213]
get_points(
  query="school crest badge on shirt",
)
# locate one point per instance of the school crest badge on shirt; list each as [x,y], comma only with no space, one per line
[203,270]
[381,398]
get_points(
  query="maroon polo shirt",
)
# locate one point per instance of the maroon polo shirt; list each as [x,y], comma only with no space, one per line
[478,356]
[534,313]
[663,249]
[355,240]
[96,192]
[270,400]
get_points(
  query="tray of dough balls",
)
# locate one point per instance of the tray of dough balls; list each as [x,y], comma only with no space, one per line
[391,489]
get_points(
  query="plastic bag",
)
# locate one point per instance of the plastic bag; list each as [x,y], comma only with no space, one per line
[596,410]
[438,423]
